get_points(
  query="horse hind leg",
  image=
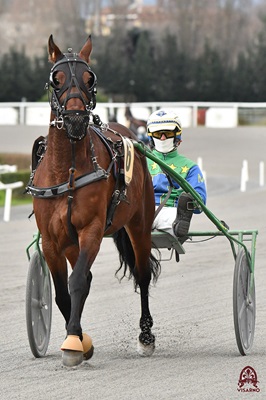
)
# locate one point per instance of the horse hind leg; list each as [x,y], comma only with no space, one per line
[142,267]
[146,339]
[146,268]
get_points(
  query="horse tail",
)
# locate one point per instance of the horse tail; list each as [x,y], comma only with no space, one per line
[127,258]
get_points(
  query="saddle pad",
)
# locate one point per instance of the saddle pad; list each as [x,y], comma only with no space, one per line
[129,159]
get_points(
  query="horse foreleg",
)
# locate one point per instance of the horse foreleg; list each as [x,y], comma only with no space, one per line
[62,297]
[58,268]
[79,290]
[76,346]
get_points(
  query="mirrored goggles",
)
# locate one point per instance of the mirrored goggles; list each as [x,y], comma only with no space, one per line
[167,134]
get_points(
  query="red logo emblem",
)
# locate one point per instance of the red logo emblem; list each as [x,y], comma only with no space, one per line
[248,381]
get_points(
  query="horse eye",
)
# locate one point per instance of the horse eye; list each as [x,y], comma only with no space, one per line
[89,82]
[56,81]
[88,79]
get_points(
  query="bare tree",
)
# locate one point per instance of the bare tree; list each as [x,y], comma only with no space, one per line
[227,25]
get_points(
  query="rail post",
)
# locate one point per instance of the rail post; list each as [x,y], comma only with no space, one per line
[8,188]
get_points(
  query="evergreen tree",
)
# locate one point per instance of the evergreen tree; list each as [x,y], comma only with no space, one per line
[174,71]
[21,77]
[210,80]
[257,64]
[139,66]
[15,75]
[143,76]
[112,66]
[244,85]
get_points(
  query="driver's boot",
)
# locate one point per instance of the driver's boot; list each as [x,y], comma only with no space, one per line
[184,213]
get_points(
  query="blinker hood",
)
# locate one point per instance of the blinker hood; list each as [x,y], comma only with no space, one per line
[73,67]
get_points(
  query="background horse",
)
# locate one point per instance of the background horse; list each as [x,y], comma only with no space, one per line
[137,126]
[80,195]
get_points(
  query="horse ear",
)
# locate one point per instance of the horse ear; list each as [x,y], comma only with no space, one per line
[86,50]
[53,51]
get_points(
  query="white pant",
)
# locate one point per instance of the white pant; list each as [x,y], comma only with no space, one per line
[165,219]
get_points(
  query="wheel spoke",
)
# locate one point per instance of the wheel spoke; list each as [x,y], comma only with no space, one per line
[41,284]
[242,310]
[35,303]
[250,317]
[251,307]
[39,334]
[242,286]
[43,320]
[46,289]
[41,328]
[243,321]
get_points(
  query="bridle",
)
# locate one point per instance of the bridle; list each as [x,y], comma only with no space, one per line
[75,122]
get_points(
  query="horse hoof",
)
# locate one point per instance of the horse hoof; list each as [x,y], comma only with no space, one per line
[145,350]
[88,348]
[72,351]
[72,358]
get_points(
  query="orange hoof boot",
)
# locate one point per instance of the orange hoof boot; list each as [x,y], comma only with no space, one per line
[72,342]
[88,348]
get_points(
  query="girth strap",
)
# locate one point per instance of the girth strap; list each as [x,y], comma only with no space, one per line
[58,190]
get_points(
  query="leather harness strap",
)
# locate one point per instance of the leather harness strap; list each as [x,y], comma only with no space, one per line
[163,202]
[166,197]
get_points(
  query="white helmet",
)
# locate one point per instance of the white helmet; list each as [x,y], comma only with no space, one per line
[164,120]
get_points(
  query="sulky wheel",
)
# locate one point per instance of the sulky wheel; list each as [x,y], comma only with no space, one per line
[244,304]
[38,305]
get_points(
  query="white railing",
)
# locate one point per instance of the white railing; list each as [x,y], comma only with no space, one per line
[209,114]
[8,187]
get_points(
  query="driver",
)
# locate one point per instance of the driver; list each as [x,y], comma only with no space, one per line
[164,131]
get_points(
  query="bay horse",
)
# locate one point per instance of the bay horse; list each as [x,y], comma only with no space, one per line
[81,194]
[137,126]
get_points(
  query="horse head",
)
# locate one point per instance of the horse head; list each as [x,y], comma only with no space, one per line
[72,88]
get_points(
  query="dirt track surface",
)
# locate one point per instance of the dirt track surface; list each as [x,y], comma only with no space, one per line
[196,355]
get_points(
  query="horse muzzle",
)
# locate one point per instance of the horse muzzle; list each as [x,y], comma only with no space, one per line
[76,124]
